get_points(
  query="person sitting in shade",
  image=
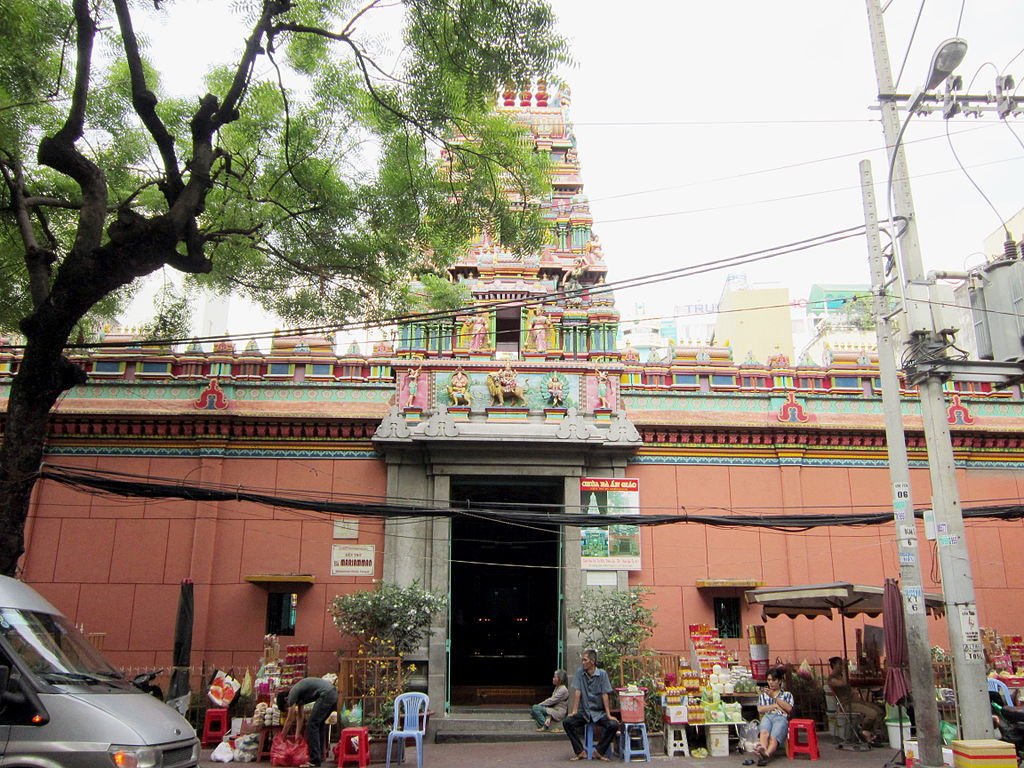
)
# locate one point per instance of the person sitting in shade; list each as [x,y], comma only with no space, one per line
[590,704]
[323,695]
[552,710]
[774,705]
[871,716]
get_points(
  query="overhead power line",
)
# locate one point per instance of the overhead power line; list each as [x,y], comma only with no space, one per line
[726,262]
[105,483]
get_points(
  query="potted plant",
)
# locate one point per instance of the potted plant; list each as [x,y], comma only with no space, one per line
[388,622]
[617,623]
[389,619]
[614,622]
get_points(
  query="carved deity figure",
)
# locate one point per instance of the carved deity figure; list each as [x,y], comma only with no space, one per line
[602,390]
[505,385]
[412,387]
[539,326]
[556,391]
[478,332]
[458,388]
[573,278]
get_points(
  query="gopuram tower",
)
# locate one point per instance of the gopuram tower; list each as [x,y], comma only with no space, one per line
[509,402]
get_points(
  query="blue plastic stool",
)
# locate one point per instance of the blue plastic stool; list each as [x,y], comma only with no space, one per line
[637,732]
[588,741]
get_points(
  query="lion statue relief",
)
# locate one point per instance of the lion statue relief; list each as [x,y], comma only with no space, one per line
[502,388]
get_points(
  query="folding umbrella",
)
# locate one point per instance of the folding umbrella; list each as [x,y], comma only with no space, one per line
[897,679]
[178,692]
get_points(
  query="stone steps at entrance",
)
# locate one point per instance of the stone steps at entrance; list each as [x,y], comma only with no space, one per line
[488,724]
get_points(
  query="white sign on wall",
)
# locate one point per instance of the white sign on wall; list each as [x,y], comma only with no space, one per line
[346,529]
[353,559]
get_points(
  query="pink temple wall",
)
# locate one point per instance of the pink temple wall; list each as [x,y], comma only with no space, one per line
[675,556]
[115,565]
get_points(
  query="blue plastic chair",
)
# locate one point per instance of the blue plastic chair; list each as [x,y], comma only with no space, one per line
[410,723]
[998,686]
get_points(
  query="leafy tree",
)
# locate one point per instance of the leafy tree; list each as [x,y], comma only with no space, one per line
[614,622]
[315,176]
[389,619]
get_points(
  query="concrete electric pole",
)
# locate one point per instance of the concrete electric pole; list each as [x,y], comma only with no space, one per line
[923,339]
[916,618]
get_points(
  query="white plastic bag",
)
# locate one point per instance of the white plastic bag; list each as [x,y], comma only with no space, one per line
[223,753]
[222,690]
[246,748]
[749,735]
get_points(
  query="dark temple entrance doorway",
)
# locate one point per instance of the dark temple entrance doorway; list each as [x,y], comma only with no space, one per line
[505,587]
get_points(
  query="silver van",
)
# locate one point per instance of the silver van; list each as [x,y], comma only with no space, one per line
[63,706]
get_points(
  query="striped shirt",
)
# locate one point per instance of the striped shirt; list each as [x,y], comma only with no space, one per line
[766,699]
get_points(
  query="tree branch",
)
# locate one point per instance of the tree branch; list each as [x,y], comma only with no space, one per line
[59,151]
[37,259]
[145,101]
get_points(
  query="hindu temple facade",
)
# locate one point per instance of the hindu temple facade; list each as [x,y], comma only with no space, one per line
[521,401]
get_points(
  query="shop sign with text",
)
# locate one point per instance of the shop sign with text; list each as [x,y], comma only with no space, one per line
[610,547]
[353,559]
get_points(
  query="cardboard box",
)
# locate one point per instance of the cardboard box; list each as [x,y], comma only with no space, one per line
[914,757]
[983,753]
[677,713]
[718,740]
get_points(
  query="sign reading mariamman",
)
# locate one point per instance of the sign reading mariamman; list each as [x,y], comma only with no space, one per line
[352,559]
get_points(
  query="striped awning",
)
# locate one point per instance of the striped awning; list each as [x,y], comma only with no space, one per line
[821,599]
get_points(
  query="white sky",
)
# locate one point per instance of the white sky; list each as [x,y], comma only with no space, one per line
[709,129]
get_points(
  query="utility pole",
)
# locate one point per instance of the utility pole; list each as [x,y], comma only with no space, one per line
[957,582]
[916,618]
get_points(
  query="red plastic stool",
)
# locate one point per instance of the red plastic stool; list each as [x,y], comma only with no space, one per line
[354,747]
[267,734]
[215,726]
[802,740]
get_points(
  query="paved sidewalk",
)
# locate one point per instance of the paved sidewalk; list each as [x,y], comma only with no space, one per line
[542,754]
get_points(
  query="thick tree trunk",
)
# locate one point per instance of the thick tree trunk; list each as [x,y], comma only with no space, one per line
[43,375]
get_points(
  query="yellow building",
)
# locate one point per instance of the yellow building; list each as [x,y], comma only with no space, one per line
[755,321]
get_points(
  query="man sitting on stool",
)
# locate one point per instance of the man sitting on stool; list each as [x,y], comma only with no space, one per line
[590,704]
[323,695]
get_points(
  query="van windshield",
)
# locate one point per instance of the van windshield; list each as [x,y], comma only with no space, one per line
[52,648]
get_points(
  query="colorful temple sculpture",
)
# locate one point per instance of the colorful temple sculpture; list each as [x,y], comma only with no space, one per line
[522,402]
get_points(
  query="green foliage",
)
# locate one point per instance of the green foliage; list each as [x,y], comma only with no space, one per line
[173,316]
[432,294]
[614,622]
[324,192]
[388,620]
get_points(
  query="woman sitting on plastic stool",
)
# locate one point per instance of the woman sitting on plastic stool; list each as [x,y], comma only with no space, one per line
[774,705]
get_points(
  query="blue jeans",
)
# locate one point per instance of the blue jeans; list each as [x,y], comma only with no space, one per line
[776,725]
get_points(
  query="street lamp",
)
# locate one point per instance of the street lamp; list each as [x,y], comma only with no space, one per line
[957,586]
[945,60]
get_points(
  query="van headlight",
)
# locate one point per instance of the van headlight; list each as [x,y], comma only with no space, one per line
[135,757]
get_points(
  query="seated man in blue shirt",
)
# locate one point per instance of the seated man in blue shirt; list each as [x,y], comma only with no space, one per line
[590,704]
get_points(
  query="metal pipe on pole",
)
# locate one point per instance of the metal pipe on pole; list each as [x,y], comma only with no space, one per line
[957,582]
[915,616]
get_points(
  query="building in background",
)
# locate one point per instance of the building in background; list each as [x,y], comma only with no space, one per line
[754,320]
[836,317]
